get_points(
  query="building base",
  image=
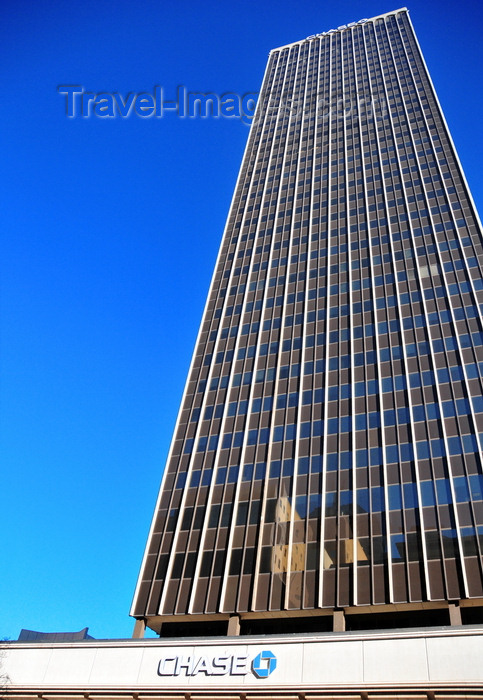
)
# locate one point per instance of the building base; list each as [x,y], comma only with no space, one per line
[429,664]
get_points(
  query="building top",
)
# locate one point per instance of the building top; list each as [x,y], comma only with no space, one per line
[32,636]
[341,28]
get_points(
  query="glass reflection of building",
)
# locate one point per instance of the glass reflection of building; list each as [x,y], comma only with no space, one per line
[327,451]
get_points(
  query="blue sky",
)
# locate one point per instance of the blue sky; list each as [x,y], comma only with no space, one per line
[110,233]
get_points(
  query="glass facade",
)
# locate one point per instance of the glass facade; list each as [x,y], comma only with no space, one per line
[327,453]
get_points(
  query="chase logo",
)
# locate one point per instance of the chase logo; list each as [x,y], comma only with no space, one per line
[264,664]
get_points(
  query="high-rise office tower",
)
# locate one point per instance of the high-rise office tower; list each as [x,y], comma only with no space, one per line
[327,455]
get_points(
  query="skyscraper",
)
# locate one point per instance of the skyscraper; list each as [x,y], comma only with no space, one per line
[326,466]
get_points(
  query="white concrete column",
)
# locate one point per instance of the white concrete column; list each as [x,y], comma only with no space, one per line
[338,621]
[233,626]
[139,629]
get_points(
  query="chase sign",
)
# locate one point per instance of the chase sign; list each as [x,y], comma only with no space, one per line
[262,665]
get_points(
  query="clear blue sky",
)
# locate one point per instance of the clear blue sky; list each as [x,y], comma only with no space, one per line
[110,232]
